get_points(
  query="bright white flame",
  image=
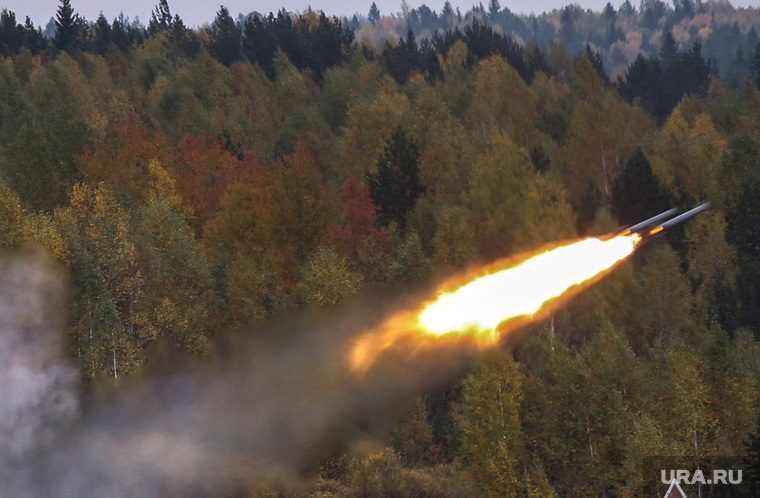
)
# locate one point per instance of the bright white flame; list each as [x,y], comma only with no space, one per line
[523,290]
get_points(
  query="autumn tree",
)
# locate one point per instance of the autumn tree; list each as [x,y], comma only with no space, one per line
[107,277]
[498,195]
[356,237]
[174,301]
[327,280]
[11,219]
[300,211]
[410,263]
[369,124]
[492,441]
[454,241]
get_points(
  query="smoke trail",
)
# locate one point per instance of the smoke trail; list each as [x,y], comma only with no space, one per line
[38,387]
[262,414]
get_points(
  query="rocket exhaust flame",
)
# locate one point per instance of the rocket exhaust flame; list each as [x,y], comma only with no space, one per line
[497,294]
[523,289]
[477,304]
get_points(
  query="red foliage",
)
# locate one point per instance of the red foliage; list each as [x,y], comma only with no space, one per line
[120,152]
[358,222]
[203,172]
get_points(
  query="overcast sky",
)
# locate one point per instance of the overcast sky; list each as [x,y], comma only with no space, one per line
[196,12]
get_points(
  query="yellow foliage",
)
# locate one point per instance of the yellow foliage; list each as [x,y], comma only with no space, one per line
[11,219]
[327,281]
[161,188]
[368,125]
[693,148]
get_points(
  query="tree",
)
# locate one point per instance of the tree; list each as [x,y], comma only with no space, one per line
[357,238]
[609,12]
[160,18]
[374,14]
[327,280]
[498,194]
[668,296]
[494,9]
[11,34]
[67,26]
[300,212]
[567,32]
[175,299]
[11,219]
[202,172]
[106,277]
[103,35]
[643,84]
[33,38]
[492,440]
[226,38]
[454,241]
[369,123]
[636,192]
[410,263]
[395,186]
[668,50]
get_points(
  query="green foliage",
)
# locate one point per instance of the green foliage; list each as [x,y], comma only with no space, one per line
[492,441]
[411,263]
[637,193]
[175,299]
[326,279]
[454,241]
[412,438]
[395,186]
[197,180]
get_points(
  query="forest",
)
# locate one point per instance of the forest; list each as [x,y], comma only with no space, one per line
[197,182]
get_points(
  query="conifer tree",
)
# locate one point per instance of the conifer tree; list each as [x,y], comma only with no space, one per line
[636,193]
[226,38]
[668,49]
[395,186]
[67,25]
[374,14]
[160,18]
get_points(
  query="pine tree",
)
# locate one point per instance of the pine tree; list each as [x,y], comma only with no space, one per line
[494,9]
[11,34]
[609,12]
[160,18]
[668,49]
[395,186]
[636,193]
[374,14]
[67,25]
[226,38]
[33,38]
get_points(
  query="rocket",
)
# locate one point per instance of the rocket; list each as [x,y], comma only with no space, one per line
[656,224]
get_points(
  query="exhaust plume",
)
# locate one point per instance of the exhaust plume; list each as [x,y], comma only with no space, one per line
[262,414]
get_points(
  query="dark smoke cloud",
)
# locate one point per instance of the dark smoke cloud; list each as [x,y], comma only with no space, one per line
[262,413]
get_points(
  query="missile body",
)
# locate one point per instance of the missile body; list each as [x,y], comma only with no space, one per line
[663,221]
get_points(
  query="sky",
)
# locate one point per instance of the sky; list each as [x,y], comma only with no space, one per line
[196,12]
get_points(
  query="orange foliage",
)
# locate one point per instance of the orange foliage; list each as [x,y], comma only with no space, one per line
[121,149]
[202,172]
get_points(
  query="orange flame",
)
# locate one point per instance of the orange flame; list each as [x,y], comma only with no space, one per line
[478,306]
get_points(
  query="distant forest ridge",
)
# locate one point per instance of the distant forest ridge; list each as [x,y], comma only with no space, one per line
[728,36]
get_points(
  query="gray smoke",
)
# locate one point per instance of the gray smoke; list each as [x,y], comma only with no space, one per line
[261,414]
